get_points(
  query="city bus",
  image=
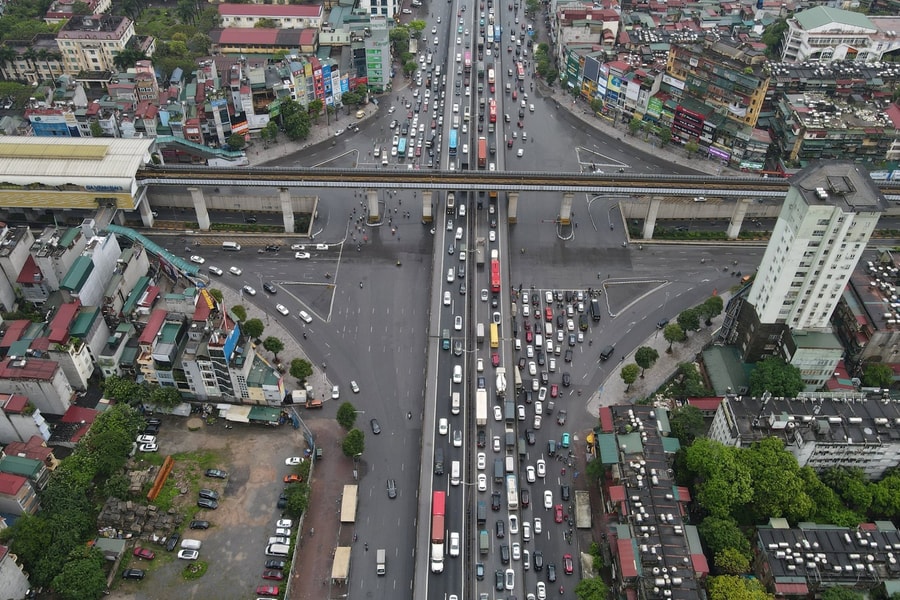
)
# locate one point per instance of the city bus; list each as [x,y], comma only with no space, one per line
[495,335]
[401,147]
[489,36]
[453,142]
[438,501]
[512,493]
[497,34]
[520,71]
[492,111]
[495,276]
[467,62]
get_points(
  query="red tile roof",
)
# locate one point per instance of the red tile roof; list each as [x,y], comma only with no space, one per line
[59,326]
[154,323]
[30,272]
[13,403]
[626,558]
[28,368]
[35,449]
[14,332]
[11,484]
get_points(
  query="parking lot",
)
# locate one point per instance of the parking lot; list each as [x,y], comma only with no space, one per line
[234,545]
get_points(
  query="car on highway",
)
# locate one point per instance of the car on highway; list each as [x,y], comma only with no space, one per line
[454,543]
[538,559]
[270,287]
[500,529]
[530,474]
[376,428]
[541,589]
[482,482]
[283,309]
[458,323]
[548,499]
[551,572]
[457,374]
[248,290]
[538,421]
[542,394]
[566,379]
[302,255]
[391,488]
[495,501]
[498,413]
[498,580]
[510,580]
[554,391]
[197,259]
[457,438]
[479,365]
[516,551]
[495,359]
[235,270]
[558,513]
[484,295]
[568,565]
[216,271]
[481,461]
[304,316]
[443,427]
[565,493]
[538,525]
[495,444]
[447,298]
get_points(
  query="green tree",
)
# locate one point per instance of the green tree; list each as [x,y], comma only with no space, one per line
[594,471]
[635,125]
[165,397]
[266,24]
[295,120]
[711,309]
[629,374]
[123,390]
[778,489]
[732,587]
[354,443]
[186,10]
[721,534]
[297,499]
[687,424]
[688,319]
[315,108]
[28,537]
[81,576]
[773,37]
[239,312]
[828,505]
[777,377]
[236,141]
[592,588]
[96,129]
[665,136]
[645,357]
[301,369]
[886,497]
[273,345]
[346,415]
[127,58]
[851,485]
[217,295]
[841,593]
[878,375]
[596,105]
[81,8]
[722,481]
[673,333]
[199,44]
[691,147]
[253,328]
[410,67]
[730,561]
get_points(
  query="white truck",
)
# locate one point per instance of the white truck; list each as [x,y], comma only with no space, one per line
[481,407]
[501,381]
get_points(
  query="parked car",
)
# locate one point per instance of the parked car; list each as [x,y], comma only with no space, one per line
[216,473]
[186,554]
[133,574]
[199,524]
[144,553]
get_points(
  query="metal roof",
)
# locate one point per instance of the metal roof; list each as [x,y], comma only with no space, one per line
[61,161]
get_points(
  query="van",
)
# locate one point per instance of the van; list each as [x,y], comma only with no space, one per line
[548,329]
[510,464]
[454,403]
[606,353]
[380,564]
[595,309]
[479,333]
[454,472]
[498,470]
[231,246]
[438,461]
[278,550]
[482,512]
[189,544]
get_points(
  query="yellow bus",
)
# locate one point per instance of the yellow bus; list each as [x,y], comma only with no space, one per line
[495,338]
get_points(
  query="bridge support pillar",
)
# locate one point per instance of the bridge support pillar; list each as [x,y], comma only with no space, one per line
[565,209]
[737,217]
[372,202]
[650,219]
[427,216]
[287,209]
[200,208]
[145,212]
[512,208]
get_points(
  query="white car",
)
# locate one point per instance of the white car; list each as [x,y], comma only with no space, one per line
[335,392]
[529,351]
[301,255]
[482,461]
[516,551]
[509,579]
[293,461]
[198,259]
[541,590]
[284,523]
[498,413]
[149,448]
[526,531]
[283,531]
[433,30]
[304,316]
[537,421]
[457,323]
[479,365]
[484,295]
[520,410]
[456,108]
[538,526]
[535,384]
[447,299]
[235,271]
[541,468]
[513,524]
[552,365]
[457,438]
[482,482]
[529,474]
[282,309]
[249,290]
[495,444]
[298,247]
[542,394]
[538,407]
[443,428]
[548,499]
[492,235]
[188,554]
[146,439]
[354,386]
[451,276]
[531,107]
[526,311]
[216,271]
[454,543]
[532,368]
[457,374]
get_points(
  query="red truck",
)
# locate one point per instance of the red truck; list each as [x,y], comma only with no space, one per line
[482,153]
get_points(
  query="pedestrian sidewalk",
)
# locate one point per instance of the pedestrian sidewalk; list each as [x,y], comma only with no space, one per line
[613,389]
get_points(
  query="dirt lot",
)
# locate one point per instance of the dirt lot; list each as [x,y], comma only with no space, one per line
[234,546]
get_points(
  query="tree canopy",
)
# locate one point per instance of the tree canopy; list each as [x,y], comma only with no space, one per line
[346,415]
[354,443]
[687,424]
[878,375]
[629,374]
[777,377]
[645,357]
